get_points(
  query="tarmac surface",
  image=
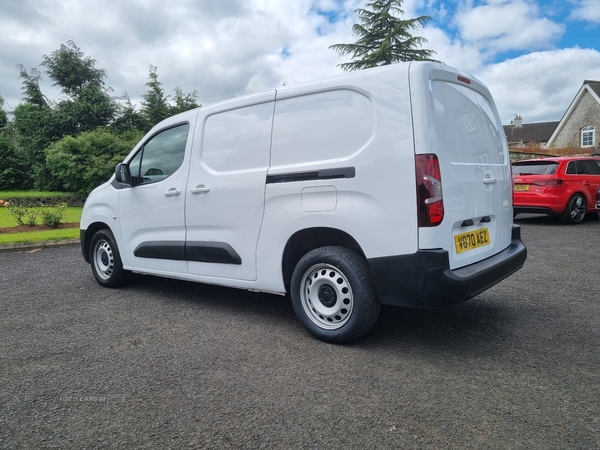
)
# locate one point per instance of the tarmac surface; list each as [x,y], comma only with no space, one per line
[168,364]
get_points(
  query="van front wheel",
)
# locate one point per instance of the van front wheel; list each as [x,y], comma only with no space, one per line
[333,294]
[106,260]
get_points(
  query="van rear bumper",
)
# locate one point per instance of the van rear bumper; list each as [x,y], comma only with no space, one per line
[425,280]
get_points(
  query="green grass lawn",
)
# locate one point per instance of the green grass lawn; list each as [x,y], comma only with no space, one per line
[72,214]
[5,195]
[39,236]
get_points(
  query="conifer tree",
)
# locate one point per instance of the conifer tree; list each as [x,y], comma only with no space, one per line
[384,38]
[155,106]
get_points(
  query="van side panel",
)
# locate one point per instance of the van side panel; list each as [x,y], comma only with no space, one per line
[342,158]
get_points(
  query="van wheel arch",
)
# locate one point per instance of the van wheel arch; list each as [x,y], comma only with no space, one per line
[105,259]
[91,230]
[303,241]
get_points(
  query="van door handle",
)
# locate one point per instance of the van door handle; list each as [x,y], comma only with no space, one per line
[200,189]
[172,192]
[489,180]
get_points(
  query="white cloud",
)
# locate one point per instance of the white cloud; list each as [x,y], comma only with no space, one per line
[505,25]
[540,86]
[587,10]
[226,48]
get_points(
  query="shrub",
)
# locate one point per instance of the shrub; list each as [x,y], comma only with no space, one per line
[18,212]
[31,216]
[52,216]
[81,163]
[23,215]
[28,215]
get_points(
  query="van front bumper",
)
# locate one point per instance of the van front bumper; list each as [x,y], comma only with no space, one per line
[424,279]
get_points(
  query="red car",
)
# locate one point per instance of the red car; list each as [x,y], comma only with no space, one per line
[564,186]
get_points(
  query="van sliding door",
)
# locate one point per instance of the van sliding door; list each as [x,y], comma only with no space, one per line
[226,187]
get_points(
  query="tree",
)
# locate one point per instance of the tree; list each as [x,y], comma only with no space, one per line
[32,93]
[155,106]
[72,70]
[184,102]
[383,38]
[51,140]
[3,115]
[128,118]
[39,122]
[12,171]
[89,104]
[34,128]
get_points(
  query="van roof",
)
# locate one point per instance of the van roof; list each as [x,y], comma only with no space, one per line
[400,67]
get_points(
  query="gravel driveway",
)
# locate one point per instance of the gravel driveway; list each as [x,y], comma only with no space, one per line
[170,364]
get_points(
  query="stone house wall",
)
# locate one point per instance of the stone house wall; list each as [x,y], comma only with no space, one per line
[586,113]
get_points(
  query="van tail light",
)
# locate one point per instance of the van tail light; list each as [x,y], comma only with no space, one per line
[430,201]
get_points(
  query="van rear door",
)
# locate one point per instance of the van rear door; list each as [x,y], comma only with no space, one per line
[455,118]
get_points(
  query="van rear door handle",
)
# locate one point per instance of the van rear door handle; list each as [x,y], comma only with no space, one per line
[490,180]
[200,189]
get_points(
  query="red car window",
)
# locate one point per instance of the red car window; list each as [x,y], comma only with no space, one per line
[535,168]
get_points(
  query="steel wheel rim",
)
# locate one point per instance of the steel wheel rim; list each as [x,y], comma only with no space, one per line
[326,296]
[578,209]
[104,260]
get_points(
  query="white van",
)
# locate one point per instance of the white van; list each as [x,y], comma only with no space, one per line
[389,185]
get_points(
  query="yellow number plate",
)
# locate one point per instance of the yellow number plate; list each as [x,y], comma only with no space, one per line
[521,187]
[473,239]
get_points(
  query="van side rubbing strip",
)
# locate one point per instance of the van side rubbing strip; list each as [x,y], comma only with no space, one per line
[173,250]
[324,174]
[208,252]
[212,252]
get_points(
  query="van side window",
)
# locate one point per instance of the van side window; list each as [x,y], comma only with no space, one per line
[238,139]
[161,156]
[326,125]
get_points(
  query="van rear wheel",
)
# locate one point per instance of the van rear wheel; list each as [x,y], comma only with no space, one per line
[106,260]
[333,294]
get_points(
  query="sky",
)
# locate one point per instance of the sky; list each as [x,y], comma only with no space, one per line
[532,54]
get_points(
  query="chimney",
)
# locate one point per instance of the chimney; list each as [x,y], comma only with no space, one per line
[518,121]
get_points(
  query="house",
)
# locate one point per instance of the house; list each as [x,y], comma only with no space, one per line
[530,135]
[579,127]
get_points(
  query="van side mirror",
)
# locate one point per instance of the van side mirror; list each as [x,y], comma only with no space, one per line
[122,174]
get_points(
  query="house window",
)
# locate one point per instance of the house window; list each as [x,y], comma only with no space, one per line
[587,136]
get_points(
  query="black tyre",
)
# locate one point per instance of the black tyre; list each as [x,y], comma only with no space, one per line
[575,210]
[333,294]
[106,260]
